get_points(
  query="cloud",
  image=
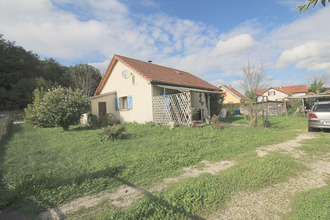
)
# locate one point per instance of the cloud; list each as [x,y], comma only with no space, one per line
[312,55]
[236,44]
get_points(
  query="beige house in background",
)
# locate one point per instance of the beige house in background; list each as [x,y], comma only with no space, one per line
[279,94]
[231,95]
[138,91]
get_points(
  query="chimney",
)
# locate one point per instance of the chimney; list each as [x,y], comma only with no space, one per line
[230,86]
[318,92]
[149,61]
[281,86]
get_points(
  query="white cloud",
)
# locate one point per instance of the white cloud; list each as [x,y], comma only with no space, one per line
[236,44]
[95,30]
[312,55]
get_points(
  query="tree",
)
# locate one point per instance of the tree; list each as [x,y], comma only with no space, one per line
[317,85]
[84,77]
[252,80]
[310,2]
[59,106]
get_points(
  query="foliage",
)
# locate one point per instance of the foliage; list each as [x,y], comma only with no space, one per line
[5,125]
[252,80]
[31,112]
[113,133]
[101,120]
[216,100]
[59,106]
[21,72]
[313,204]
[316,86]
[215,121]
[310,2]
[231,107]
[85,77]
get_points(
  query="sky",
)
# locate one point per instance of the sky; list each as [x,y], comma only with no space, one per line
[212,39]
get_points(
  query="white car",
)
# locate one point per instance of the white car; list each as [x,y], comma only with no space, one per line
[319,116]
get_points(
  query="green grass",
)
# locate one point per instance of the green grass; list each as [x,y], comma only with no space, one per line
[203,195]
[317,146]
[44,167]
[313,204]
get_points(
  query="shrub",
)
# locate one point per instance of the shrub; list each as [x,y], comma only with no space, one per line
[215,120]
[113,132]
[31,112]
[5,125]
[59,106]
[101,120]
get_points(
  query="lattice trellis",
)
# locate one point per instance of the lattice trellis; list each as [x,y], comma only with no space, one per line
[175,107]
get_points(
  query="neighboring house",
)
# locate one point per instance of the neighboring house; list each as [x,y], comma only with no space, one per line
[231,95]
[139,91]
[279,94]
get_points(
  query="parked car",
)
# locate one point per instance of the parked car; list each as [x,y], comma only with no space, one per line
[319,116]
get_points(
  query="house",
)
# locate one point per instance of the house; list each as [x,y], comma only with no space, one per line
[138,91]
[231,95]
[279,94]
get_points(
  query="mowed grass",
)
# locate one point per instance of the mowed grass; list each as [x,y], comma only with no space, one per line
[44,167]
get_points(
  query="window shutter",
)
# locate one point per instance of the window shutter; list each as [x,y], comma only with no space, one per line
[117,104]
[268,93]
[129,103]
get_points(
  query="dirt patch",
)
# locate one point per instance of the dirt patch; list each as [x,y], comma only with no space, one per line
[271,202]
[126,195]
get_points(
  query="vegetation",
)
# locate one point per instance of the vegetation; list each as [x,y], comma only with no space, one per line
[101,120]
[310,2]
[5,125]
[317,86]
[113,132]
[21,72]
[59,106]
[216,100]
[252,79]
[45,167]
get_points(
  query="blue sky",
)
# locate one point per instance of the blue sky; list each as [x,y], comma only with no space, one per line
[212,39]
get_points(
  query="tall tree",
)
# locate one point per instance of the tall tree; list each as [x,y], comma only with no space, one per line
[310,2]
[17,66]
[84,77]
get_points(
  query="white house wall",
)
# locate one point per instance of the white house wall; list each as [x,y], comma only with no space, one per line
[279,96]
[110,104]
[135,86]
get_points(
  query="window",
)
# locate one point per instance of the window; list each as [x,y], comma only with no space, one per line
[102,108]
[124,103]
[271,93]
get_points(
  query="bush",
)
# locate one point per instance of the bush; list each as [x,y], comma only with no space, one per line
[101,121]
[5,125]
[113,132]
[215,120]
[59,106]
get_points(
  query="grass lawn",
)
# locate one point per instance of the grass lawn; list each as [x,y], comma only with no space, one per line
[44,167]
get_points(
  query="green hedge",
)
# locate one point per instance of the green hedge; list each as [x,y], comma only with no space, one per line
[5,124]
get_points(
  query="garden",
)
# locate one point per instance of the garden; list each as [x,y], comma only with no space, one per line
[42,168]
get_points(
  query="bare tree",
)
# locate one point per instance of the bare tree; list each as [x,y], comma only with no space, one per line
[252,79]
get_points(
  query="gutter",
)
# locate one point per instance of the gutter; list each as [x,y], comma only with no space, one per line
[183,85]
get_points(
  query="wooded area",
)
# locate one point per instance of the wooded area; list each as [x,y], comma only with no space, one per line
[21,72]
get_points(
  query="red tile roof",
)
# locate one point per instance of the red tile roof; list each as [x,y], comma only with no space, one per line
[157,74]
[233,91]
[287,89]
